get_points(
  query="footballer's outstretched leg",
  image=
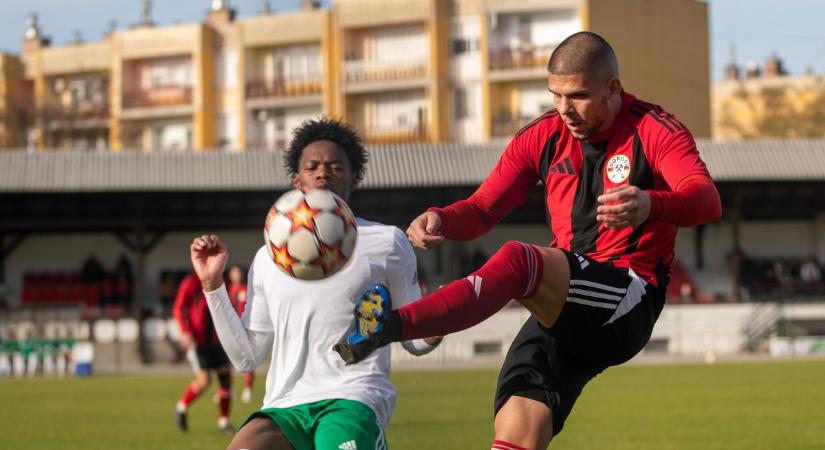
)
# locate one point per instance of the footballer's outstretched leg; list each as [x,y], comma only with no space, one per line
[536,277]
[372,329]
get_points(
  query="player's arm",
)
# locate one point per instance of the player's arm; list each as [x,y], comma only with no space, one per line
[245,348]
[502,190]
[402,281]
[692,198]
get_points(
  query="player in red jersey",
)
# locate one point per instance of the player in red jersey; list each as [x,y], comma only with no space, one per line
[204,351]
[620,176]
[237,295]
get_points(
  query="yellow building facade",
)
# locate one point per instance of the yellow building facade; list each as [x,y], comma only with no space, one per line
[773,106]
[399,71]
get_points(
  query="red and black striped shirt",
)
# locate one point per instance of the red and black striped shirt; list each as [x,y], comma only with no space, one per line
[645,147]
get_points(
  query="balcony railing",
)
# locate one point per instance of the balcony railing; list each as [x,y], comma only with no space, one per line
[158,96]
[526,56]
[412,133]
[267,145]
[279,87]
[504,126]
[365,71]
[78,111]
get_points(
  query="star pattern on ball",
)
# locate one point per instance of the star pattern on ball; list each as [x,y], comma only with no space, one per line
[282,258]
[344,212]
[330,257]
[303,217]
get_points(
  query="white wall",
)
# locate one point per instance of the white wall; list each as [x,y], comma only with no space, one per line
[536,28]
[468,128]
[407,43]
[466,66]
[759,239]
[172,136]
[687,330]
[278,124]
[552,27]
[534,99]
[399,110]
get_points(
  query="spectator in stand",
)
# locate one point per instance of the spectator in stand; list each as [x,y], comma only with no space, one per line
[237,295]
[123,282]
[93,275]
[810,272]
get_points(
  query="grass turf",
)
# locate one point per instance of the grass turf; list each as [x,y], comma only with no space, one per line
[771,405]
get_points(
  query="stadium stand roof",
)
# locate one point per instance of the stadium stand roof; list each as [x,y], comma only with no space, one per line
[391,167]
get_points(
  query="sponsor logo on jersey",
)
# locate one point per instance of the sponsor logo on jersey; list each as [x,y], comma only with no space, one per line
[618,168]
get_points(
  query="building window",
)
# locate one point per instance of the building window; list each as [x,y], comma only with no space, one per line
[461,45]
[461,110]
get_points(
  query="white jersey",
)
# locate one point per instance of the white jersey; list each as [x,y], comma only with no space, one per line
[308,317]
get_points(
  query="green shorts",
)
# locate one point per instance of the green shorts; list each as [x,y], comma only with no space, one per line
[328,425]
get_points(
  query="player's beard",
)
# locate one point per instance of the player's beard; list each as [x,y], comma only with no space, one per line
[599,123]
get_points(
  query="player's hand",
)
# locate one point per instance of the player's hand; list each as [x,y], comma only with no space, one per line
[622,207]
[425,231]
[209,257]
[186,341]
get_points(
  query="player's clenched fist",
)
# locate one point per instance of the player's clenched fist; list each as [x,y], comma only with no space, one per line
[425,231]
[622,207]
[209,257]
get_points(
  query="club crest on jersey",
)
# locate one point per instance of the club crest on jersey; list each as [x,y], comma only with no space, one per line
[618,168]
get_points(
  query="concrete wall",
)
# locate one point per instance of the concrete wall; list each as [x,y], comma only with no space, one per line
[682,330]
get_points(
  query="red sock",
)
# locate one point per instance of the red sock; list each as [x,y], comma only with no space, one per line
[225,400]
[512,272]
[192,392]
[248,379]
[498,444]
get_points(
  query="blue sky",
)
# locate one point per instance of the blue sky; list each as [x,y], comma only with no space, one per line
[795,30]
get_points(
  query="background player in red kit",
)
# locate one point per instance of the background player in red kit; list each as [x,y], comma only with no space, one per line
[620,176]
[204,351]
[236,287]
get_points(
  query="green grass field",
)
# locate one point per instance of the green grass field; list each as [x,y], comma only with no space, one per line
[772,405]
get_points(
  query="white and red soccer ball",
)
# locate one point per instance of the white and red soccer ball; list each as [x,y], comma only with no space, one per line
[310,235]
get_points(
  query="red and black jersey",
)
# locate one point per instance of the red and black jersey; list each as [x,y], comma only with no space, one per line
[645,147]
[192,313]
[237,295]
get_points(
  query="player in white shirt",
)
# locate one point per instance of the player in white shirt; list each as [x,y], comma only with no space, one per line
[312,399]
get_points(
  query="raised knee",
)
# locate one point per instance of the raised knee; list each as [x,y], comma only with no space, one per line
[513,246]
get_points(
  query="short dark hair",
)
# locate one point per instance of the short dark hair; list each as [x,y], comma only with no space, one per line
[327,129]
[584,52]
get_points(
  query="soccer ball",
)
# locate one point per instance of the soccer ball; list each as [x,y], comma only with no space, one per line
[310,235]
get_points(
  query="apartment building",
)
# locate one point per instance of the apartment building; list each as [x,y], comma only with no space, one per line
[15,96]
[399,71]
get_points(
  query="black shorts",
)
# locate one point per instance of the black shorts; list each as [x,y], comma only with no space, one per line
[211,357]
[607,319]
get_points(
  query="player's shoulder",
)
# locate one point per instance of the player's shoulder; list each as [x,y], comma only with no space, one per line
[652,118]
[377,230]
[545,124]
[388,236]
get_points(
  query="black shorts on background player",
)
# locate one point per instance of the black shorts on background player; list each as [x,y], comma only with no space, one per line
[211,356]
